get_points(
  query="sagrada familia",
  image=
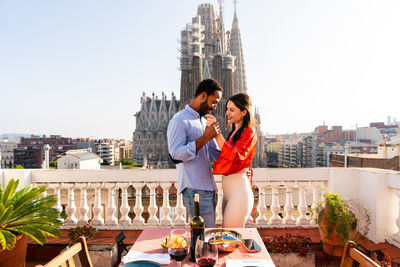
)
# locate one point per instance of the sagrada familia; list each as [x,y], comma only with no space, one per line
[206,51]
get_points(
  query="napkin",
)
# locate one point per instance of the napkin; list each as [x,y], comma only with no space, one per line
[252,263]
[132,255]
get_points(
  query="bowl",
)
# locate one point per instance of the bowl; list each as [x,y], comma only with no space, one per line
[227,240]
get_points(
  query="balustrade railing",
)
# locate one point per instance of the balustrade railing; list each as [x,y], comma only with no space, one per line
[126,199]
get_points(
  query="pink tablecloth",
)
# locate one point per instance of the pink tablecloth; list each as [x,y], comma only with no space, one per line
[149,242]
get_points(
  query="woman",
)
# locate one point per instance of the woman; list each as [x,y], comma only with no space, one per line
[234,161]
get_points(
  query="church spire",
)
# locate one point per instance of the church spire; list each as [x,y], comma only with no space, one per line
[236,49]
[234,14]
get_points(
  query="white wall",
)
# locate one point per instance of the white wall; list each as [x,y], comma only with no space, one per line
[371,188]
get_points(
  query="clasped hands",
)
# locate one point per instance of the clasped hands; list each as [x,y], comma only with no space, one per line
[212,127]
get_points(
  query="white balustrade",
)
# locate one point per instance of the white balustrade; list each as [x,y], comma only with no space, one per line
[317,196]
[261,207]
[57,188]
[138,209]
[166,209]
[106,208]
[111,207]
[124,209]
[71,220]
[289,208]
[84,208]
[97,219]
[302,207]
[275,207]
[180,211]
[153,220]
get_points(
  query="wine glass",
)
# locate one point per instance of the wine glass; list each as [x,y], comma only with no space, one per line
[178,245]
[206,253]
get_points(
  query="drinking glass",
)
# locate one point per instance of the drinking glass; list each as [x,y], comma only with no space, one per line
[206,253]
[178,245]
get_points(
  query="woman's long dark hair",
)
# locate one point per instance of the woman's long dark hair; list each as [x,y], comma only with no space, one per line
[243,102]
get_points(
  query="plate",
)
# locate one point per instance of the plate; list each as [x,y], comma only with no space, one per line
[221,234]
[141,263]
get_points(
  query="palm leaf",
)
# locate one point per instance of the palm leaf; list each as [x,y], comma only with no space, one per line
[27,212]
[37,232]
[5,213]
[7,239]
[9,191]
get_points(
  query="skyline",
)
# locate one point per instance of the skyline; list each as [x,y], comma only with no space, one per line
[62,63]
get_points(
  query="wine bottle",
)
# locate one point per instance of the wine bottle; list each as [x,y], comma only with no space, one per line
[196,227]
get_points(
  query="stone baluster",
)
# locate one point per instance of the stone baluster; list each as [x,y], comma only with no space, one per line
[261,208]
[71,220]
[153,220]
[57,188]
[83,208]
[111,207]
[97,208]
[166,209]
[124,209]
[289,208]
[275,207]
[317,196]
[180,211]
[219,204]
[138,209]
[302,208]
[396,236]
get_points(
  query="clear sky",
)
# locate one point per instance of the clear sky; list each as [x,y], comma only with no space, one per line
[78,68]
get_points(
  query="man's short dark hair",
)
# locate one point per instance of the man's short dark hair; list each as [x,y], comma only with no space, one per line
[209,86]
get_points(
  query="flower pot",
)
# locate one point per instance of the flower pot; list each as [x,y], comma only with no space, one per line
[332,244]
[15,257]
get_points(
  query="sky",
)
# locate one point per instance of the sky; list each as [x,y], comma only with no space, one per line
[79,68]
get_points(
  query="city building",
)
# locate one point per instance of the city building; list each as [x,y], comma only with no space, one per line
[58,144]
[207,50]
[389,149]
[7,154]
[29,157]
[125,149]
[79,159]
[386,130]
[105,149]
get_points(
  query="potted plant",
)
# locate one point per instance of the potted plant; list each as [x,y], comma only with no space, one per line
[88,231]
[25,213]
[339,221]
[100,254]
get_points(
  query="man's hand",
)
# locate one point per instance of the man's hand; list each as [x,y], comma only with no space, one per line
[210,119]
[212,131]
[209,133]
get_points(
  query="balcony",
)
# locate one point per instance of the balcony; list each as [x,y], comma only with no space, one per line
[135,199]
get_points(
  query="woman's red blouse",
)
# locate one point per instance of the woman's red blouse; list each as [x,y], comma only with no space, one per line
[237,156]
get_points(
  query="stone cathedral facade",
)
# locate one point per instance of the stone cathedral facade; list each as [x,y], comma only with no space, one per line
[207,50]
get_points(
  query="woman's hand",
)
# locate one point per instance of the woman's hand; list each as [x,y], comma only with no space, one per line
[210,119]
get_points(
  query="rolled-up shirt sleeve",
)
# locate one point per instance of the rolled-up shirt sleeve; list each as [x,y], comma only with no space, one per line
[213,149]
[178,147]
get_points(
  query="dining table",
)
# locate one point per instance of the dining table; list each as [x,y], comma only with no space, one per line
[150,240]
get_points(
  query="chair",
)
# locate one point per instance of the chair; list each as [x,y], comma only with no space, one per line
[65,258]
[352,255]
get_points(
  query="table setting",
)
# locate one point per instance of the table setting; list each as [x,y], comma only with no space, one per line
[219,247]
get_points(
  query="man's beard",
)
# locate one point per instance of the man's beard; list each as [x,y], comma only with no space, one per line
[204,108]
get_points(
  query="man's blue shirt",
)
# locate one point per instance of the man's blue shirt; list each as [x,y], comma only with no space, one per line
[195,170]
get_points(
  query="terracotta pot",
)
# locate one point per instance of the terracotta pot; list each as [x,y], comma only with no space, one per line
[332,246]
[17,256]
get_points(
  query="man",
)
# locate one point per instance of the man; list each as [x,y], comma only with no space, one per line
[191,144]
